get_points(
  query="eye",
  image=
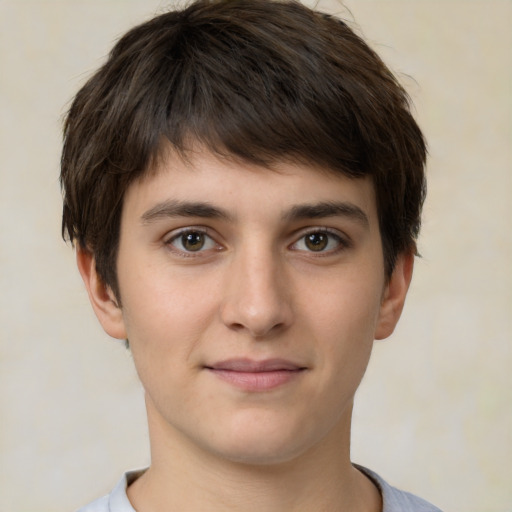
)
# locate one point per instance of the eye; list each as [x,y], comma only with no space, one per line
[192,240]
[319,241]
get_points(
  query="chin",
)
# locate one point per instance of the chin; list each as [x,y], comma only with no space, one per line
[261,453]
[260,441]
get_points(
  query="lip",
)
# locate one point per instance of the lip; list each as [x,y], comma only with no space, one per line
[256,376]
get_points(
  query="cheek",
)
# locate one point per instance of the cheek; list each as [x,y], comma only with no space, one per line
[164,317]
[345,320]
[347,305]
[159,344]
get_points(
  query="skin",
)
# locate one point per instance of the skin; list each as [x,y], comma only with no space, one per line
[267,272]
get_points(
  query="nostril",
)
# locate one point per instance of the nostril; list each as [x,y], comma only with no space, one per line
[255,298]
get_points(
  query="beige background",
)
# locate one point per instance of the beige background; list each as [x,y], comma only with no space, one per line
[434,413]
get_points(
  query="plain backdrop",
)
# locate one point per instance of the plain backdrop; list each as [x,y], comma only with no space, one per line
[434,412]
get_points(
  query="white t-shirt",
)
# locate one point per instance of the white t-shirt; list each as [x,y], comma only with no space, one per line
[393,499]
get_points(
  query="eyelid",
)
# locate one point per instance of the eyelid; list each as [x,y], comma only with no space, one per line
[176,233]
[173,234]
[344,241]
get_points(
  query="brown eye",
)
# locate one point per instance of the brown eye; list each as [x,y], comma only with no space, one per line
[193,241]
[316,241]
[320,241]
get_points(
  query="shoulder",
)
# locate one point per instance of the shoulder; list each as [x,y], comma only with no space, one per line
[395,500]
[99,505]
[117,500]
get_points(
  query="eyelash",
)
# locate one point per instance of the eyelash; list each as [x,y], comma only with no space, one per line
[341,242]
[190,231]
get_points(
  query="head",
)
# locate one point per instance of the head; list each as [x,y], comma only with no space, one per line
[260,81]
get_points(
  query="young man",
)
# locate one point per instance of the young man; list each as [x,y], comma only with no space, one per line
[243,181]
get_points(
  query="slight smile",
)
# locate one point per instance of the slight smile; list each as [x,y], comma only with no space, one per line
[256,376]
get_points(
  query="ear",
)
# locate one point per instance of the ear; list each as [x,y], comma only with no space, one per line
[103,300]
[393,298]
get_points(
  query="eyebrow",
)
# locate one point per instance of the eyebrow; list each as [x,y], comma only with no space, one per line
[175,208]
[327,209]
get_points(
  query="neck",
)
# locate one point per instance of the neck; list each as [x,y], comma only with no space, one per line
[182,476]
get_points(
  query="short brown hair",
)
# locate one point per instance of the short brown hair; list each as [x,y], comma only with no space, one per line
[260,80]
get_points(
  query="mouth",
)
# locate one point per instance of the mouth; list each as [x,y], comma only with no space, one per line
[256,376]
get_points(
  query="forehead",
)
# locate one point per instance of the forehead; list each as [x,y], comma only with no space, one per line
[240,187]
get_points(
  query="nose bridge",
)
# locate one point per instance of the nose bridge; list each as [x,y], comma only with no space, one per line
[256,295]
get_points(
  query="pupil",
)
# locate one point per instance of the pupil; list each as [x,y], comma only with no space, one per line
[316,241]
[193,241]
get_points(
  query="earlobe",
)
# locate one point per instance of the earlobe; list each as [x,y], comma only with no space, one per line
[103,300]
[393,298]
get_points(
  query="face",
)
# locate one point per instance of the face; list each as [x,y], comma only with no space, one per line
[251,299]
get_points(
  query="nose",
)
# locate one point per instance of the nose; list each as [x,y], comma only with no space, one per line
[256,295]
